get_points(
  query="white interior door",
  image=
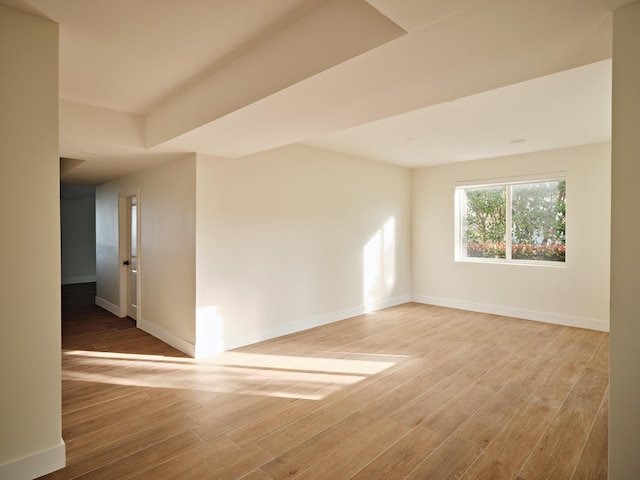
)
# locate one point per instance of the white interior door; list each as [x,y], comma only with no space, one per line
[131,256]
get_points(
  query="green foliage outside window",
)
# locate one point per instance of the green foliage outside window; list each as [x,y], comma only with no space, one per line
[538,221]
[486,221]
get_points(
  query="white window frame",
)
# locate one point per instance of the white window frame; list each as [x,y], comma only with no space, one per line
[459,248]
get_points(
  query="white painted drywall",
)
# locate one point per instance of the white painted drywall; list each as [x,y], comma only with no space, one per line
[167,256]
[30,406]
[88,123]
[575,294]
[296,237]
[291,52]
[78,234]
[624,413]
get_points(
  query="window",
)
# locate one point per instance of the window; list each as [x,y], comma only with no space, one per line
[518,221]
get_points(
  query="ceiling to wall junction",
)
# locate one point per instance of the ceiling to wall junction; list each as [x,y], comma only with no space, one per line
[410,82]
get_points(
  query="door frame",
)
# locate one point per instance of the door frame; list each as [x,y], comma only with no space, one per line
[122,250]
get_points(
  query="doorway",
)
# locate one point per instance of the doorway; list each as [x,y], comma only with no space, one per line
[129,222]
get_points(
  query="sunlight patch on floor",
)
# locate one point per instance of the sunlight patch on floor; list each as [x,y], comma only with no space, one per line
[243,373]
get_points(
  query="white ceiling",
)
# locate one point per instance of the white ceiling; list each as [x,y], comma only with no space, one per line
[409,82]
[564,109]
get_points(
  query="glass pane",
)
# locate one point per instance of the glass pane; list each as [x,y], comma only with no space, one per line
[484,221]
[134,230]
[538,219]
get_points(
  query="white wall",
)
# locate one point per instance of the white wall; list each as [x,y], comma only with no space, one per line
[30,406]
[282,238]
[576,294]
[167,257]
[78,234]
[624,417]
[87,123]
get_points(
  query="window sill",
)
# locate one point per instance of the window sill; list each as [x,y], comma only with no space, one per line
[502,261]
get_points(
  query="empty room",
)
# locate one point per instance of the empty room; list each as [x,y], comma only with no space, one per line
[320,239]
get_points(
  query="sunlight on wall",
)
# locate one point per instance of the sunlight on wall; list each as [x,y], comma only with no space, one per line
[311,378]
[379,265]
[209,332]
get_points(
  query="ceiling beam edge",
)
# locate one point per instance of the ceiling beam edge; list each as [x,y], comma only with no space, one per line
[331,33]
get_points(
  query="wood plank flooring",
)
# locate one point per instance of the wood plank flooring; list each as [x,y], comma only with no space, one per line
[411,392]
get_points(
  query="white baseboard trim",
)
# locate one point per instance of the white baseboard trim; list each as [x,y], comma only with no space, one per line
[387,303]
[35,465]
[167,337]
[305,324]
[555,318]
[73,280]
[108,306]
[254,337]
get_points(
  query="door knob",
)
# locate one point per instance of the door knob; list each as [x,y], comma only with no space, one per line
[126,262]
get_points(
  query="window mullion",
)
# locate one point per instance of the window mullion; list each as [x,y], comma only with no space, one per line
[508,226]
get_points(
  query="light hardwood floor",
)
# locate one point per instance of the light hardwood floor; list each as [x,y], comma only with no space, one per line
[410,392]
